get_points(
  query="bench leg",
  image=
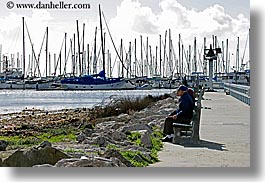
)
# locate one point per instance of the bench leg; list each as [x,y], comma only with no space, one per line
[176,138]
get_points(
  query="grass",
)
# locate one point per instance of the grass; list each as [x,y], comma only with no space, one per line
[51,135]
[133,156]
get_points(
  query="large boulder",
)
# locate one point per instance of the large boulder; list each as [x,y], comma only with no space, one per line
[112,153]
[92,161]
[31,157]
[135,127]
[146,140]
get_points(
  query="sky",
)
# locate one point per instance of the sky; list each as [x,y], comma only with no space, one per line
[128,19]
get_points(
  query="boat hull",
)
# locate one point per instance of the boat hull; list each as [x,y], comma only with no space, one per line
[122,85]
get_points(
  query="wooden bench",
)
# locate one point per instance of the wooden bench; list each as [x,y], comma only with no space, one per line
[189,133]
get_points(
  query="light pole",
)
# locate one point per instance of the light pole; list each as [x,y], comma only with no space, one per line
[211,55]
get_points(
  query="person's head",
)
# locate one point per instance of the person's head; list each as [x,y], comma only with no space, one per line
[181,90]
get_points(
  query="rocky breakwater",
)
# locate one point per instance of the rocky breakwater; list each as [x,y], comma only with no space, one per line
[129,139]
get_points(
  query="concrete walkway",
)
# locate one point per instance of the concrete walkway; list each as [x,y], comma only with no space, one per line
[224,133]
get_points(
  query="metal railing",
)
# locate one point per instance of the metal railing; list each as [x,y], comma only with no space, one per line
[240,92]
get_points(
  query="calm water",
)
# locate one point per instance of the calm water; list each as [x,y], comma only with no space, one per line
[17,100]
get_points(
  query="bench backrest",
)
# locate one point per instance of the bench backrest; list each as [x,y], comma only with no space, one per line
[197,118]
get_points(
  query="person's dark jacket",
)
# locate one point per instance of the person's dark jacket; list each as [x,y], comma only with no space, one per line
[186,106]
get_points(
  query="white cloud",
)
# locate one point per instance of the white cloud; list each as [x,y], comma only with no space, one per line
[173,15]
[134,19]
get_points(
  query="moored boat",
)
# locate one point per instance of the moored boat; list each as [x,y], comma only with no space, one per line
[96,82]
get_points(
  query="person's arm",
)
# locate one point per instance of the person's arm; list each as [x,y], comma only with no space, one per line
[186,107]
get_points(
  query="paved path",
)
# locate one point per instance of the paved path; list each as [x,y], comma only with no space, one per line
[225,135]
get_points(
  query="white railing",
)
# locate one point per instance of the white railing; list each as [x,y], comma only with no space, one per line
[240,92]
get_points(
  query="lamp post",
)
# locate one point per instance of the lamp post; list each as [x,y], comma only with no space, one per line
[211,55]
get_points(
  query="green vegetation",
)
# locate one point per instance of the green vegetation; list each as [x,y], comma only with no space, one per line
[112,146]
[16,141]
[52,135]
[135,137]
[138,158]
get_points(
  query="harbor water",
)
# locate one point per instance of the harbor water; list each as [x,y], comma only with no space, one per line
[12,101]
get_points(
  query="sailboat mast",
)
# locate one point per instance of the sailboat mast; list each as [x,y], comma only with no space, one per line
[142,62]
[83,50]
[46,51]
[194,56]
[204,60]
[104,46]
[78,47]
[135,59]
[181,61]
[74,61]
[23,40]
[237,55]
[164,62]
[95,53]
[160,56]
[121,52]
[88,62]
[102,40]
[179,45]
[49,63]
[130,60]
[146,63]
[0,56]
[156,61]
[227,65]
[170,64]
[65,56]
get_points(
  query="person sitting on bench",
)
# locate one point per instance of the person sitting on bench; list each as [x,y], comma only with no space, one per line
[182,115]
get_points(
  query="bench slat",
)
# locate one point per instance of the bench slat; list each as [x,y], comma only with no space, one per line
[182,125]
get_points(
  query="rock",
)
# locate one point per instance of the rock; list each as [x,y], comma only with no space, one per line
[88,132]
[105,125]
[112,153]
[81,137]
[89,126]
[88,141]
[135,127]
[31,157]
[138,158]
[146,141]
[83,157]
[44,144]
[118,136]
[117,162]
[101,141]
[3,145]
[152,118]
[1,163]
[89,162]
[43,165]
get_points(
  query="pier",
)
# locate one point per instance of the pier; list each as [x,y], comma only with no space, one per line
[224,134]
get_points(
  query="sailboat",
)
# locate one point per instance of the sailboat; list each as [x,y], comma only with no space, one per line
[97,81]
